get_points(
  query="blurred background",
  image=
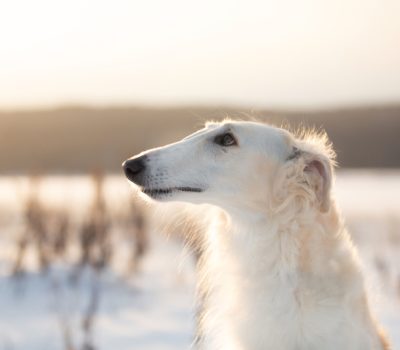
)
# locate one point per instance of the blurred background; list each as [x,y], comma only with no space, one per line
[86,84]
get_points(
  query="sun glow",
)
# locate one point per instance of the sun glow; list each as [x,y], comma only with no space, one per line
[259,53]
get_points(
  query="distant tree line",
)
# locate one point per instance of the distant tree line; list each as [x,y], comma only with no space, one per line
[77,139]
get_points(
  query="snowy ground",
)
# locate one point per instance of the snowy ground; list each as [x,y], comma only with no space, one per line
[154,309]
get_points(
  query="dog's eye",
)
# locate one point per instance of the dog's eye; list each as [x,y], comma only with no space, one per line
[226,140]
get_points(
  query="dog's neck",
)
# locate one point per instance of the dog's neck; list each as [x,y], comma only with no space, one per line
[284,278]
[280,250]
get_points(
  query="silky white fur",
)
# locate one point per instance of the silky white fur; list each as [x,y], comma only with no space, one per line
[277,268]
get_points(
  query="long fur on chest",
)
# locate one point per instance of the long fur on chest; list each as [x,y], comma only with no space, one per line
[290,287]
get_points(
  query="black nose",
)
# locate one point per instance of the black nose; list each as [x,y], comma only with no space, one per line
[134,169]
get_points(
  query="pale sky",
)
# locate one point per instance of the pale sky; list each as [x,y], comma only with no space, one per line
[271,53]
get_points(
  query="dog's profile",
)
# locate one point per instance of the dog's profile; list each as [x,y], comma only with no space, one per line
[278,269]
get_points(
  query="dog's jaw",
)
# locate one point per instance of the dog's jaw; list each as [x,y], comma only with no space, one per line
[168,192]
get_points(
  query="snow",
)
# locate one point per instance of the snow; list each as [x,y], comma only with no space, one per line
[154,309]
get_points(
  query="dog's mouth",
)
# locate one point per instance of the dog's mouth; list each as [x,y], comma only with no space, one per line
[159,192]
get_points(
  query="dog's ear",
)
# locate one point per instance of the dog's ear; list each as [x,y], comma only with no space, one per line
[318,174]
[314,173]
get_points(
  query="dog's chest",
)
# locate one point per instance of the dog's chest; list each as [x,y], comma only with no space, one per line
[268,308]
[281,326]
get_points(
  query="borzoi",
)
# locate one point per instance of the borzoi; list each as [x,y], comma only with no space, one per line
[278,270]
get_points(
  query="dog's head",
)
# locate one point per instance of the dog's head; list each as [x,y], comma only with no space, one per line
[236,165]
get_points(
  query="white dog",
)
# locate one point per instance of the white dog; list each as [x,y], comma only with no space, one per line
[279,271]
